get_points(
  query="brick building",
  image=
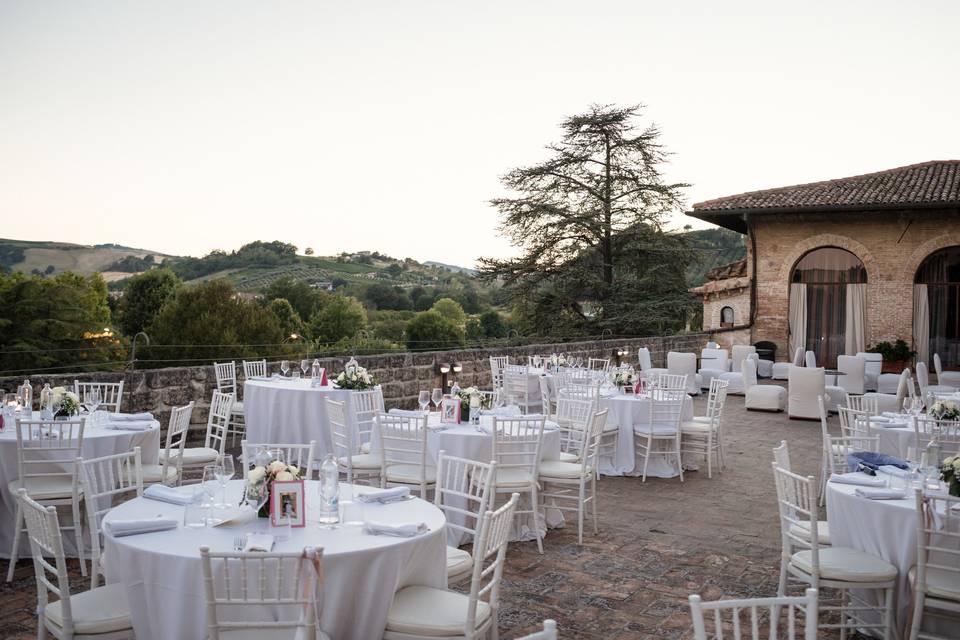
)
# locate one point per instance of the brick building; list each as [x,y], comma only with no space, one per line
[839,265]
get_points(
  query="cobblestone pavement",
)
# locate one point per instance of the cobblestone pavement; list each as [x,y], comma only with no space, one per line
[658,543]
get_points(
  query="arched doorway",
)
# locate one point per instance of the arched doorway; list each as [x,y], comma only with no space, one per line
[828,304]
[938,283]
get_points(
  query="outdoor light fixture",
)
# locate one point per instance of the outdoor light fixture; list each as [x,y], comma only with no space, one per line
[457,367]
[620,352]
[444,368]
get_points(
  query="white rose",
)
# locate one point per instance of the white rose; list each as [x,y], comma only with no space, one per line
[73,396]
[294,469]
[285,475]
[276,467]
[256,474]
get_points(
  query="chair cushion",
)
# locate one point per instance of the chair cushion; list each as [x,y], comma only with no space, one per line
[99,610]
[940,583]
[363,461]
[236,407]
[694,426]
[154,473]
[802,529]
[517,477]
[560,469]
[410,473]
[656,430]
[430,612]
[701,419]
[193,455]
[45,488]
[846,564]
[609,427]
[459,563]
[566,456]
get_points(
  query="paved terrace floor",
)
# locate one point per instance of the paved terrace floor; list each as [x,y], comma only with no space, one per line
[658,543]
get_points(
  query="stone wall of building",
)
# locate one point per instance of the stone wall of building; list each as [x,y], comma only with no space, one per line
[736,299]
[401,375]
[891,246]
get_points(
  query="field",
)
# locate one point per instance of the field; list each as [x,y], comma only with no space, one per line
[23,255]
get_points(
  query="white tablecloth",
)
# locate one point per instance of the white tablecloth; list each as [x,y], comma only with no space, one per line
[627,411]
[163,578]
[97,442]
[290,412]
[894,441]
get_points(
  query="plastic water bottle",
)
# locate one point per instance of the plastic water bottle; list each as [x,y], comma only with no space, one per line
[26,397]
[455,390]
[46,402]
[315,370]
[329,490]
[934,455]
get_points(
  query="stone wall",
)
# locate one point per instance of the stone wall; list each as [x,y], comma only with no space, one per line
[736,299]
[402,375]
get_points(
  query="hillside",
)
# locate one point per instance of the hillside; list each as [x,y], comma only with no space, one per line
[715,247]
[52,257]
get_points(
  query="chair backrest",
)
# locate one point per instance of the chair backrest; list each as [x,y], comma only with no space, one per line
[598,364]
[573,416]
[226,377]
[748,369]
[217,420]
[853,423]
[590,392]
[300,455]
[937,366]
[49,449]
[178,429]
[923,378]
[516,443]
[739,354]
[810,359]
[938,543]
[716,399]
[904,387]
[797,505]
[254,368]
[593,436]
[342,437]
[106,482]
[497,365]
[666,408]
[261,591]
[489,552]
[798,357]
[365,406]
[516,388]
[865,404]
[781,456]
[804,386]
[403,440]
[855,369]
[671,381]
[643,357]
[728,616]
[684,364]
[873,362]
[837,448]
[945,432]
[714,359]
[111,393]
[464,488]
[549,632]
[43,530]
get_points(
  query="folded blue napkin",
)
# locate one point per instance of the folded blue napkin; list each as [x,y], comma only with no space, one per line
[869,461]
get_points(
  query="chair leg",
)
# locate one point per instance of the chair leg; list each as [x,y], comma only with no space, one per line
[887,612]
[917,615]
[593,504]
[78,536]
[646,458]
[710,455]
[534,500]
[580,513]
[14,550]
[679,457]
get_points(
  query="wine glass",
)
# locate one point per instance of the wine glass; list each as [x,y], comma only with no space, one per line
[210,481]
[91,401]
[284,366]
[304,366]
[437,398]
[424,400]
[225,470]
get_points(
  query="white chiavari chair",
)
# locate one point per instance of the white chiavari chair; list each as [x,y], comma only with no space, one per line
[256,594]
[298,455]
[842,568]
[549,632]
[403,447]
[47,452]
[568,481]
[463,492]
[936,577]
[755,610]
[598,364]
[853,424]
[945,432]
[215,440]
[516,444]
[362,414]
[107,482]
[427,612]
[865,404]
[178,430]
[254,369]
[704,437]
[97,614]
[111,393]
[226,373]
[548,397]
[516,390]
[361,468]
[781,458]
[671,381]
[573,417]
[666,410]
[497,365]
[837,448]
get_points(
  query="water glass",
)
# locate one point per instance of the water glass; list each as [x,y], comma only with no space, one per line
[282,531]
[210,482]
[424,400]
[195,515]
[284,366]
[437,398]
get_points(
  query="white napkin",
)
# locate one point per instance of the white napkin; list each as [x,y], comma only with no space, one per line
[880,419]
[400,530]
[407,413]
[259,542]
[880,494]
[261,378]
[385,496]
[118,528]
[129,426]
[892,414]
[168,494]
[857,478]
[893,424]
[131,417]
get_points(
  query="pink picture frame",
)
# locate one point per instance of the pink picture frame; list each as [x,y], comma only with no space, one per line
[450,411]
[284,493]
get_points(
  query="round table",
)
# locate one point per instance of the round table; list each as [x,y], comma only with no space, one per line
[291,411]
[895,441]
[626,411]
[98,441]
[163,578]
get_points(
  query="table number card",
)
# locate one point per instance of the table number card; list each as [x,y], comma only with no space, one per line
[287,502]
[450,411]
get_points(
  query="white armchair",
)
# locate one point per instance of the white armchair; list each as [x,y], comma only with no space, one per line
[872,369]
[735,379]
[739,354]
[761,397]
[781,370]
[805,386]
[855,369]
[713,362]
[646,366]
[948,378]
[894,401]
[923,380]
[685,364]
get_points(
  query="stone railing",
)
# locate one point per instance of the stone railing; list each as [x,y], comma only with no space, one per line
[401,375]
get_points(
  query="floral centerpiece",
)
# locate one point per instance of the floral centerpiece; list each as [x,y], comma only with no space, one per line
[466,396]
[950,474]
[945,410]
[68,402]
[558,360]
[623,378]
[260,480]
[355,377]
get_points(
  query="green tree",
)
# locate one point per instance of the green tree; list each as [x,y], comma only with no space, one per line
[430,330]
[385,296]
[390,325]
[142,298]
[305,299]
[473,330]
[342,317]
[492,325]
[290,322]
[394,270]
[451,310]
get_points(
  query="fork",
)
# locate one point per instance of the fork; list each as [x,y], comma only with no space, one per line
[239,543]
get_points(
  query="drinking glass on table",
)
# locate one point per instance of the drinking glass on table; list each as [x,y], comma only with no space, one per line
[224,470]
[304,366]
[437,397]
[284,366]
[91,401]
[195,515]
[210,481]
[424,400]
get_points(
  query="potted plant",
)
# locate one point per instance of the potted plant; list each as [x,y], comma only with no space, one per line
[896,355]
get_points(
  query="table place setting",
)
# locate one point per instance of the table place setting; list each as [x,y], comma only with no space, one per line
[385,496]
[132,527]
[128,421]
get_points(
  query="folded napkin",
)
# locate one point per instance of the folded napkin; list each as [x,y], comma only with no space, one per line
[406,413]
[129,426]
[385,496]
[892,414]
[400,530]
[880,494]
[261,378]
[118,528]
[893,424]
[131,417]
[870,461]
[168,494]
[262,542]
[894,471]
[880,418]
[858,479]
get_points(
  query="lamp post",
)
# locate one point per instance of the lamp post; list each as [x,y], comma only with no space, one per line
[133,348]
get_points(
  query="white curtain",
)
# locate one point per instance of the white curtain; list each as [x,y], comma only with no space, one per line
[921,323]
[855,332]
[798,317]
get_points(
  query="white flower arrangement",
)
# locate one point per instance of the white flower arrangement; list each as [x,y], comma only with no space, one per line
[68,401]
[261,477]
[558,360]
[467,395]
[356,378]
[623,378]
[945,410]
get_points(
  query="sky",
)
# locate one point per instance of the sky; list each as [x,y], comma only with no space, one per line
[184,126]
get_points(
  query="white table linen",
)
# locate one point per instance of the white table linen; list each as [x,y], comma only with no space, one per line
[627,411]
[98,441]
[163,578]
